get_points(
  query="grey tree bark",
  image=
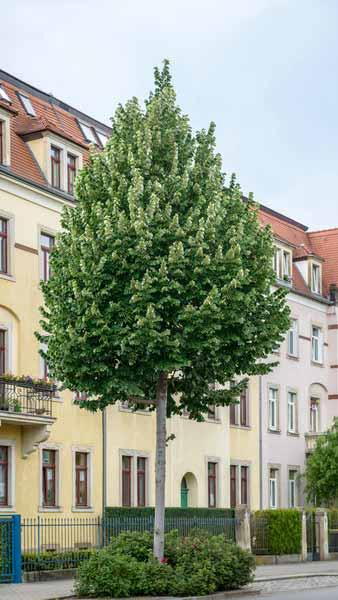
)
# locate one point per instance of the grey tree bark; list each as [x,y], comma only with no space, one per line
[160,467]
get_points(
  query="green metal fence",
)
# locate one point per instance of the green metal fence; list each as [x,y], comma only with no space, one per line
[259,527]
[62,543]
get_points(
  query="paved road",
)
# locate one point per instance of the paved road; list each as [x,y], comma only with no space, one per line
[318,594]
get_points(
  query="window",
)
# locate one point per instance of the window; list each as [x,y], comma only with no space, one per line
[80,396]
[4,478]
[233,486]
[292,408]
[212,412]
[4,95]
[317,345]
[49,478]
[282,264]
[1,143]
[3,245]
[293,338]
[292,489]
[233,414]
[88,133]
[314,415]
[102,137]
[273,488]
[55,163]
[315,279]
[244,485]
[28,106]
[126,480]
[243,409]
[71,173]
[81,479]
[273,409]
[46,246]
[141,481]
[3,351]
[212,466]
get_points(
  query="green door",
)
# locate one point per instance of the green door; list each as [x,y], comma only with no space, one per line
[184,493]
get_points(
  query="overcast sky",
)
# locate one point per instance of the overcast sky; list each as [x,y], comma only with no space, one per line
[266,71]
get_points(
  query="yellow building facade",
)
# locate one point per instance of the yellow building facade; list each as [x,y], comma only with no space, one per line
[55,458]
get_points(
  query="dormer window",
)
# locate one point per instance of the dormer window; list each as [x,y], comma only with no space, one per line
[28,106]
[282,264]
[55,158]
[102,137]
[88,133]
[315,278]
[4,95]
[71,173]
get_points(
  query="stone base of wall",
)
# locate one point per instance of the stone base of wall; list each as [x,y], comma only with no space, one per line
[267,559]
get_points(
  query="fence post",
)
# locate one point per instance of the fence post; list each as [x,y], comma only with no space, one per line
[16,548]
[323,527]
[242,526]
[304,537]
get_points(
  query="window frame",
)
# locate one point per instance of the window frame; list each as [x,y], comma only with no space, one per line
[314,401]
[78,470]
[92,139]
[239,413]
[11,465]
[56,161]
[3,95]
[27,104]
[244,468]
[4,243]
[316,282]
[141,478]
[274,482]
[71,169]
[292,401]
[5,120]
[317,345]
[3,350]
[45,467]
[282,264]
[212,480]
[129,473]
[2,142]
[295,487]
[293,334]
[233,485]
[275,390]
[45,252]
[5,463]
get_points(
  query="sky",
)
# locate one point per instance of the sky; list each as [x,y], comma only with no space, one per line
[265,71]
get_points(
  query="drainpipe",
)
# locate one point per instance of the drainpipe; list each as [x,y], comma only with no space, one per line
[260,443]
[104,461]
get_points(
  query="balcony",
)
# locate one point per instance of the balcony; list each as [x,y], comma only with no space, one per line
[28,404]
[311,440]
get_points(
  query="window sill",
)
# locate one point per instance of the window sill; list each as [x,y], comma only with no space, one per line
[7,277]
[144,413]
[292,357]
[9,508]
[215,421]
[275,431]
[244,427]
[50,509]
[316,363]
[82,509]
[293,433]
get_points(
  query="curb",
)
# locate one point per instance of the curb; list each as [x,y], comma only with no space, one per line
[294,576]
[218,596]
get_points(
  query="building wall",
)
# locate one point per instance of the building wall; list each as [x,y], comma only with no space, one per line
[280,449]
[20,298]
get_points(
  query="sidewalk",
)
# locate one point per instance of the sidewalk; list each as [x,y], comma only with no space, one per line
[52,590]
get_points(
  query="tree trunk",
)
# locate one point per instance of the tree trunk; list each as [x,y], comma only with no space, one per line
[161,440]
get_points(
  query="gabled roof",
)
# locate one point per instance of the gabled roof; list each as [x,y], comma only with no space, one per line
[325,243]
[51,115]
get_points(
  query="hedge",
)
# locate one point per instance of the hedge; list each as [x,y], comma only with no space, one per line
[51,561]
[149,511]
[277,532]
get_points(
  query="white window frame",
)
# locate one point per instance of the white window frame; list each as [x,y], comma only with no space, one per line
[6,120]
[293,490]
[89,451]
[27,104]
[316,273]
[292,411]
[317,344]
[293,339]
[273,401]
[57,508]
[314,424]
[134,454]
[274,488]
[91,138]
[282,264]
[4,95]
[10,245]
[65,149]
[11,444]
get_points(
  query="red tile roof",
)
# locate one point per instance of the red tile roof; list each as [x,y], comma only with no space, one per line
[51,115]
[325,243]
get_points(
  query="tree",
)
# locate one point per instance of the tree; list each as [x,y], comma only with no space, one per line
[162,276]
[321,472]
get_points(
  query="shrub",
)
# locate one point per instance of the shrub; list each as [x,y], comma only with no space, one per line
[48,561]
[277,531]
[170,512]
[195,565]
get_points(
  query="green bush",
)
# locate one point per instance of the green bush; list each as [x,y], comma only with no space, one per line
[277,531]
[50,561]
[149,511]
[195,565]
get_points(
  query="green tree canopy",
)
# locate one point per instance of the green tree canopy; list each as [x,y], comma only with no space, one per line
[162,274]
[321,471]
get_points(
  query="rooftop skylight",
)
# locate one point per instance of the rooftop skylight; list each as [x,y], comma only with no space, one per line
[28,106]
[88,133]
[4,95]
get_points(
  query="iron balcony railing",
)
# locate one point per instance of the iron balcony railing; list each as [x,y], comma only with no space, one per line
[26,397]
